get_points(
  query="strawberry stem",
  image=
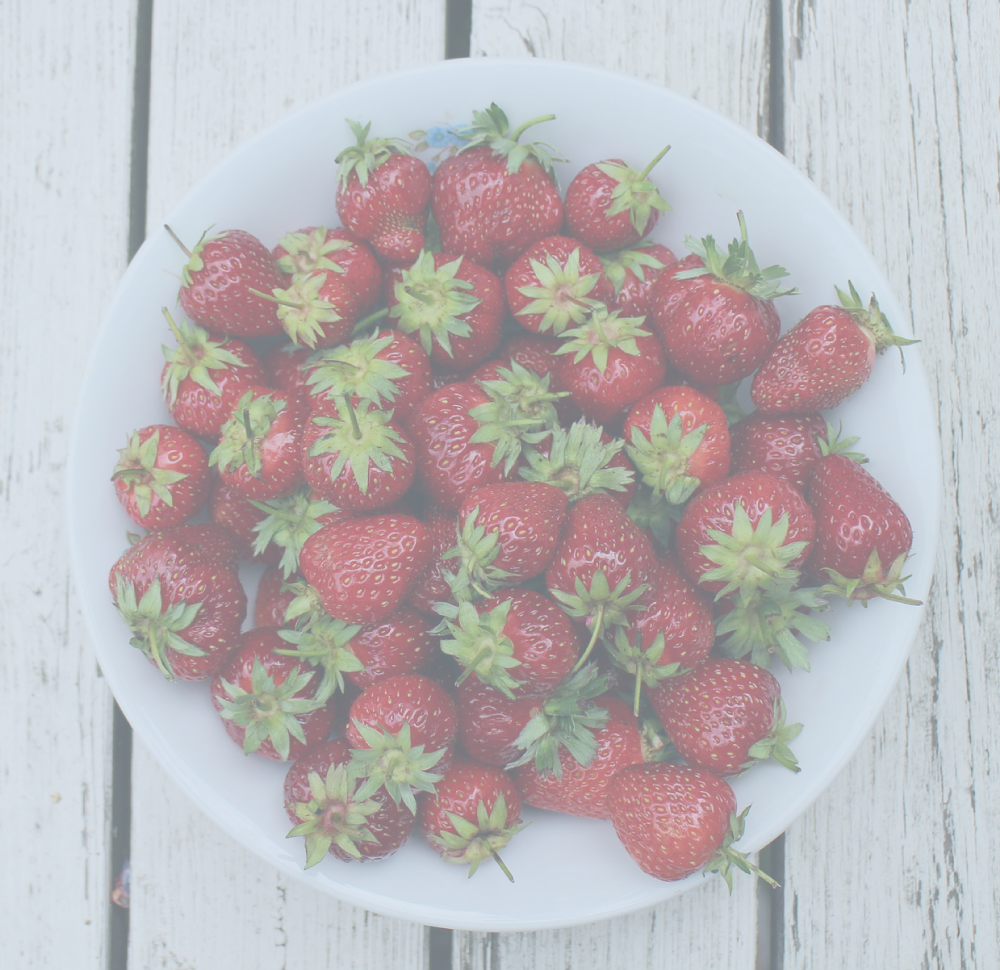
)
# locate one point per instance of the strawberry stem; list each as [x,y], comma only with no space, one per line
[594,636]
[176,239]
[500,863]
[521,129]
[353,416]
[653,164]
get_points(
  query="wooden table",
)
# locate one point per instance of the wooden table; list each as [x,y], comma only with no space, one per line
[112,110]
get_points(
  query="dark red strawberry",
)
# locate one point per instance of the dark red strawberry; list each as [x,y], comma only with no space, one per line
[726,715]
[674,820]
[715,314]
[321,799]
[383,192]
[162,476]
[400,643]
[271,602]
[203,375]
[433,585]
[179,592]
[362,568]
[610,205]
[231,509]
[286,370]
[786,446]
[496,197]
[473,813]
[222,281]
[633,272]
[678,440]
[271,705]
[863,536]
[553,285]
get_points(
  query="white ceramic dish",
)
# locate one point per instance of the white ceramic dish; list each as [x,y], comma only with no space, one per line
[568,871]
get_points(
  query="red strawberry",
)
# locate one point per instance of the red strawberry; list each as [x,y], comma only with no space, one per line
[863,537]
[473,813]
[162,476]
[610,204]
[286,370]
[321,799]
[674,820]
[273,598]
[383,193]
[362,568]
[400,643]
[222,281]
[271,705]
[786,446]
[553,284]
[203,375]
[231,509]
[402,731]
[633,273]
[179,592]
[678,440]
[432,586]
[715,314]
[582,789]
[824,358]
[496,197]
[318,309]
[726,715]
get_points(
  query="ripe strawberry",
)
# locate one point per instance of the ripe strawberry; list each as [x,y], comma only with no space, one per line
[321,799]
[259,449]
[553,285]
[400,729]
[231,509]
[362,568]
[582,789]
[272,599]
[633,273]
[286,370]
[222,281]
[400,643]
[203,375]
[179,592]
[825,357]
[678,440]
[674,820]
[746,533]
[383,193]
[608,363]
[452,306]
[473,813]
[725,716]
[786,446]
[863,537]
[715,314]
[432,586]
[495,197]
[271,705]
[610,205]
[162,476]
[318,309]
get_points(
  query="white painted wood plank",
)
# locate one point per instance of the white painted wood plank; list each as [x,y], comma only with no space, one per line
[66,76]
[893,112]
[220,73]
[717,53]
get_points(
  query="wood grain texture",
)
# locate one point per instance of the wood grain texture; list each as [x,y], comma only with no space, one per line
[64,225]
[221,73]
[893,112]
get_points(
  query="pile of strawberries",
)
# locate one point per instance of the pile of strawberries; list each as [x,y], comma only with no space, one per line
[521,545]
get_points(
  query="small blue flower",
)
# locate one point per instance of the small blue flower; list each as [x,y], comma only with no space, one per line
[441,136]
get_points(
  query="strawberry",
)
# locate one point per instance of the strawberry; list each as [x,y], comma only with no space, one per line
[400,729]
[318,309]
[608,363]
[271,705]
[452,306]
[582,789]
[362,568]
[495,197]
[272,599]
[432,586]
[222,283]
[633,272]
[674,820]
[231,509]
[179,592]
[725,716]
[678,440]
[472,814]
[383,192]
[715,314]
[825,357]
[610,205]
[518,641]
[863,537]
[786,446]
[162,476]
[553,284]
[204,374]
[321,798]
[400,643]
[259,447]
[286,370]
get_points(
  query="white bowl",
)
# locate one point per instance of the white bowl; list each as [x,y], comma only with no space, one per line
[568,871]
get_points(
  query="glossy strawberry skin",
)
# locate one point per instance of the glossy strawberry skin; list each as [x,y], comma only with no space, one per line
[400,643]
[786,446]
[285,370]
[670,818]
[271,601]
[711,331]
[219,278]
[357,264]
[489,722]
[432,586]
[588,199]
[634,283]
[231,509]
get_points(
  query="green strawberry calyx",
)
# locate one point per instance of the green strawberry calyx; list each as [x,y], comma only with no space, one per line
[738,268]
[833,443]
[471,842]
[634,193]
[663,458]
[137,468]
[726,856]
[303,313]
[324,643]
[637,261]
[478,642]
[476,551]
[875,581]
[643,664]
[287,523]
[490,128]
[604,330]
[196,355]
[367,154]
[560,294]
[393,762]
[874,321]
[242,436]
[308,251]
[356,369]
[775,744]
